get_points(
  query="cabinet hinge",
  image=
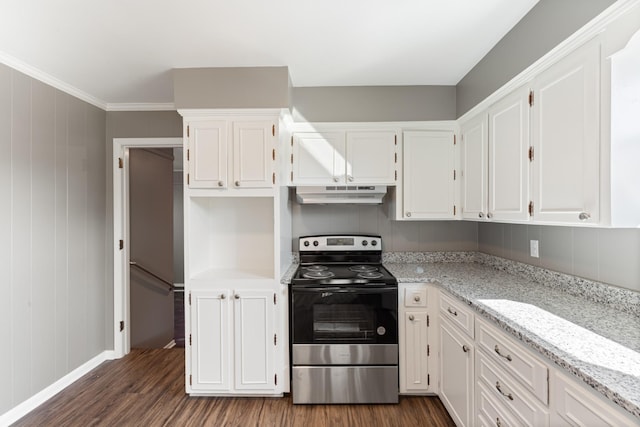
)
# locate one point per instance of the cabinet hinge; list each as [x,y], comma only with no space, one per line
[395,157]
[454,174]
[291,176]
[530,98]
[189,298]
[395,175]
[190,379]
[292,140]
[273,178]
[427,320]
[291,158]
[190,340]
[187,179]
[395,139]
[187,155]
[428,350]
[531,154]
[454,139]
[273,154]
[120,163]
[454,210]
[428,379]
[273,130]
[275,299]
[187,131]
[121,244]
[275,379]
[530,208]
[275,339]
[121,325]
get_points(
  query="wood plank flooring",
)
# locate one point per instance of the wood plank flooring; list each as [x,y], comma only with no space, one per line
[146,388]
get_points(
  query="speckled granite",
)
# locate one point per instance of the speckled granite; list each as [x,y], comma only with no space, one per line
[597,343]
[418,257]
[288,275]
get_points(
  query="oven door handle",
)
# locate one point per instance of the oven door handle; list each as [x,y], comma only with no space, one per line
[337,289]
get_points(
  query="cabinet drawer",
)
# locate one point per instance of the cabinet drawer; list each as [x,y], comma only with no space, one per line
[524,407]
[415,297]
[492,413]
[457,313]
[530,372]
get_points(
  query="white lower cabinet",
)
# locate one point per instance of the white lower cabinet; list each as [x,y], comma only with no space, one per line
[456,373]
[233,342]
[416,363]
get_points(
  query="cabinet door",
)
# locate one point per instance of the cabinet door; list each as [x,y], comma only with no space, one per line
[254,340]
[207,154]
[474,168]
[210,346]
[414,341]
[566,139]
[508,157]
[371,158]
[428,177]
[456,374]
[318,158]
[253,155]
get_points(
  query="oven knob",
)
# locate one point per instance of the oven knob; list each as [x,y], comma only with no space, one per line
[306,243]
[381,330]
[315,243]
[365,243]
[374,243]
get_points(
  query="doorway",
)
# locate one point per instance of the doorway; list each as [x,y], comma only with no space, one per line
[147,265]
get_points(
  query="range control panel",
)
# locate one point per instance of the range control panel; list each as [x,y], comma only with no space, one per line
[340,243]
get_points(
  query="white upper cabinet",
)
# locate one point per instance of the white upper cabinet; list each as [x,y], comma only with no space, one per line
[428,180]
[338,157]
[231,153]
[508,157]
[566,139]
[474,174]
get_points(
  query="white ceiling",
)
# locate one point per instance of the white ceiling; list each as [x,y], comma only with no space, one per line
[119,52]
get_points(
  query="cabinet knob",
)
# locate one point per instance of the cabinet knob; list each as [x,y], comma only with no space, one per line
[335,179]
[223,296]
[489,215]
[411,317]
[236,296]
[350,178]
[481,215]
[416,298]
[237,183]
[465,348]
[408,214]
[584,216]
[220,184]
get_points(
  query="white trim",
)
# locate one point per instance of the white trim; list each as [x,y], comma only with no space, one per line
[121,340]
[590,30]
[141,106]
[19,411]
[207,113]
[37,74]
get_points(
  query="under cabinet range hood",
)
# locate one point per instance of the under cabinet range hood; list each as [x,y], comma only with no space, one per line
[341,194]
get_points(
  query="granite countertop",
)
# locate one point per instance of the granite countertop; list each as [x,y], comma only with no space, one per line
[588,329]
[597,342]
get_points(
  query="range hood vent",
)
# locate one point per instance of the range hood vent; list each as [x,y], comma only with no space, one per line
[344,194]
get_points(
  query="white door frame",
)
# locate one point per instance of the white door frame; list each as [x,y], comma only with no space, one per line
[121,146]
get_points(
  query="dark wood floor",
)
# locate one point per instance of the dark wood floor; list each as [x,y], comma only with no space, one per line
[146,388]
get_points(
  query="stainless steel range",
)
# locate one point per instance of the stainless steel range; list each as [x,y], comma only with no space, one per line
[344,322]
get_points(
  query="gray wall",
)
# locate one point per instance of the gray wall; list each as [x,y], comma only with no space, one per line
[375,219]
[543,28]
[606,255]
[374,103]
[129,124]
[52,229]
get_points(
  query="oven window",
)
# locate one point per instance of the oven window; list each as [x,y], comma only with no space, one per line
[343,322]
[343,316]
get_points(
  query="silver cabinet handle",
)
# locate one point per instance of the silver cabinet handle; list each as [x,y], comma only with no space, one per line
[411,317]
[223,296]
[507,395]
[481,215]
[455,313]
[584,216]
[465,348]
[416,298]
[336,179]
[489,215]
[220,184]
[237,183]
[236,296]
[497,350]
[408,214]
[350,178]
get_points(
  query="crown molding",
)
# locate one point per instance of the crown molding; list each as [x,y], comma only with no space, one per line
[141,106]
[40,75]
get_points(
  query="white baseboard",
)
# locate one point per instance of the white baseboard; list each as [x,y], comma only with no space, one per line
[42,396]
